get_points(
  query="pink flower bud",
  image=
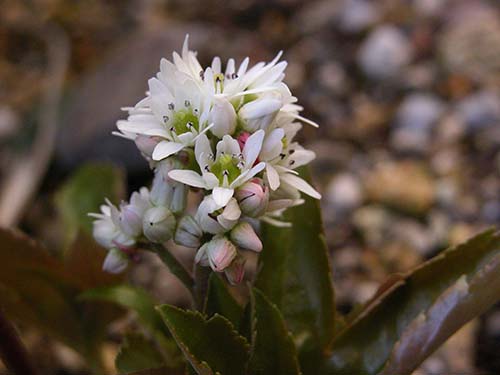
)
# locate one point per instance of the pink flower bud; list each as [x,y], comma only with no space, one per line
[236,271]
[244,236]
[188,232]
[146,144]
[253,197]
[218,253]
[242,139]
[131,220]
[115,262]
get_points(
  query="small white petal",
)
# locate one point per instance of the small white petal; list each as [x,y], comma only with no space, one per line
[272,177]
[253,146]
[187,177]
[165,149]
[301,185]
[276,223]
[247,175]
[202,150]
[272,145]
[222,195]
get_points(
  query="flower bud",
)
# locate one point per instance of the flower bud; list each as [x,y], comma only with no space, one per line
[223,118]
[236,271]
[164,190]
[115,262]
[146,144]
[258,114]
[104,231]
[188,232]
[244,236]
[215,219]
[253,197]
[158,224]
[218,253]
[131,220]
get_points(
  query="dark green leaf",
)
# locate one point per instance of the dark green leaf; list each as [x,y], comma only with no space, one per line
[211,345]
[415,313]
[137,353]
[40,290]
[296,275]
[273,349]
[220,301]
[174,265]
[85,192]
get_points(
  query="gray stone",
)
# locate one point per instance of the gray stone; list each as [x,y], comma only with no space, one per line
[344,192]
[357,15]
[384,53]
[480,109]
[415,118]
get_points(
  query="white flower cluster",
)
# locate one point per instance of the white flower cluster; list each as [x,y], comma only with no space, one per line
[227,133]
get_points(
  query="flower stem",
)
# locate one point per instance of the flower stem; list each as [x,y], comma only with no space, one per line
[12,351]
[173,264]
[201,276]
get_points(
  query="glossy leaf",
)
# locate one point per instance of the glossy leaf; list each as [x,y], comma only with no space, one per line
[295,273]
[137,353]
[415,313]
[273,350]
[210,345]
[220,301]
[85,192]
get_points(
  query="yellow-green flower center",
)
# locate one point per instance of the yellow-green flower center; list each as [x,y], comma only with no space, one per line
[184,121]
[227,165]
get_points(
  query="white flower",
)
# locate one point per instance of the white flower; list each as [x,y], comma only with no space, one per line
[282,156]
[130,218]
[107,230]
[218,253]
[158,224]
[228,169]
[175,112]
[215,218]
[116,261]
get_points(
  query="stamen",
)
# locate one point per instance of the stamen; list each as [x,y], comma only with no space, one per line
[207,168]
[292,162]
[165,118]
[171,106]
[234,75]
[202,75]
[291,151]
[282,156]
[187,103]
